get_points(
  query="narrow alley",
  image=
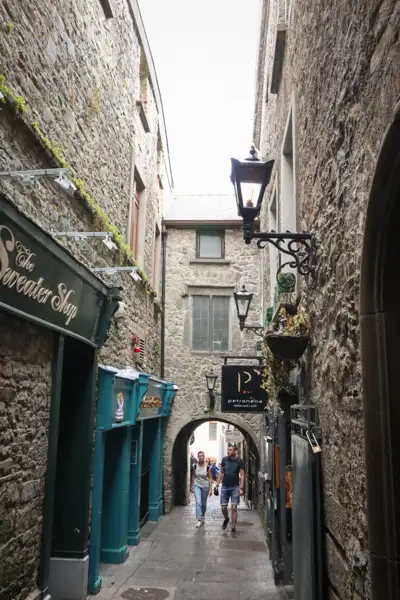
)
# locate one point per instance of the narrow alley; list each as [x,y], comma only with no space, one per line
[176,561]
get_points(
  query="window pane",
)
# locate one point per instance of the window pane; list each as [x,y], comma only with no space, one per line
[220,323]
[212,432]
[201,323]
[210,246]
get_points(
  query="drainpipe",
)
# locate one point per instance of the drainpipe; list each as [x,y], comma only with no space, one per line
[163,275]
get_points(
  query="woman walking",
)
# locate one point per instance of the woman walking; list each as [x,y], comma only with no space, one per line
[202,487]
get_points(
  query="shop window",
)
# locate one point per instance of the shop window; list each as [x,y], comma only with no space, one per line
[212,431]
[210,323]
[135,217]
[210,244]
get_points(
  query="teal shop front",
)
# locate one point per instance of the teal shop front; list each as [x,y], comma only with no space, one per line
[127,483]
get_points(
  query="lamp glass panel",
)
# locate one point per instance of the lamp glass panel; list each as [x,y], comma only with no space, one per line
[211,380]
[243,305]
[250,193]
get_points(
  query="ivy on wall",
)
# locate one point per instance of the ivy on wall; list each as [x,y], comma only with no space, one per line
[100,217]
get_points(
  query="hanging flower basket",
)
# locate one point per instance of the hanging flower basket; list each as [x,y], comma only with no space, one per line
[287,347]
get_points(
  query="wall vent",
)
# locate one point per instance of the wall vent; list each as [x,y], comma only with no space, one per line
[141,354]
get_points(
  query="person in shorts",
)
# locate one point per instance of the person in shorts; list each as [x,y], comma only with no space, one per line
[232,476]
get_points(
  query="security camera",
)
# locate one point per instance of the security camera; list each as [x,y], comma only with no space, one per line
[135,276]
[65,184]
[110,244]
[268,439]
[120,312]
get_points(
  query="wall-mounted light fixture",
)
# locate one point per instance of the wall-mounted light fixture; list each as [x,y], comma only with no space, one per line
[243,300]
[250,179]
[111,270]
[211,379]
[29,178]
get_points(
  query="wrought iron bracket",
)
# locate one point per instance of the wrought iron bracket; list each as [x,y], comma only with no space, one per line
[301,247]
[255,329]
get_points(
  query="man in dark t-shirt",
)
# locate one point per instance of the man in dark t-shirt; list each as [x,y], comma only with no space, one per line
[232,476]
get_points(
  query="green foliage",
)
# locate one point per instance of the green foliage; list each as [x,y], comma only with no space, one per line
[268,315]
[298,324]
[9,27]
[100,217]
[286,283]
[16,101]
[275,374]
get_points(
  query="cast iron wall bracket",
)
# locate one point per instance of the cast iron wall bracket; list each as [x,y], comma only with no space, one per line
[301,247]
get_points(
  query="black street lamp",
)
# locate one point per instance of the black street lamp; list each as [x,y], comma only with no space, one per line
[250,179]
[243,300]
[211,379]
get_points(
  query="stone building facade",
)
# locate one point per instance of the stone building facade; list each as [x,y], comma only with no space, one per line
[78,91]
[194,275]
[327,84]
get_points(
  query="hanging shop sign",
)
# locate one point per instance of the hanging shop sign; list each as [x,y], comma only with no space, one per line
[241,389]
[151,403]
[42,282]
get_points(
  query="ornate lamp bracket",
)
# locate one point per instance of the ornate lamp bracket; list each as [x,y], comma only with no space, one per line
[255,329]
[301,247]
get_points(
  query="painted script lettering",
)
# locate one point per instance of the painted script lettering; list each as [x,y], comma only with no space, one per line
[60,301]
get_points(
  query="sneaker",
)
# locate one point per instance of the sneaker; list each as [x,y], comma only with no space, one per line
[225,524]
[199,524]
[233,530]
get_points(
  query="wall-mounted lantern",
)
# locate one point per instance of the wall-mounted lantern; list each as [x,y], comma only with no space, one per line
[243,300]
[211,379]
[250,179]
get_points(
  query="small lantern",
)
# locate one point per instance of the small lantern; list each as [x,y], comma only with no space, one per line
[250,179]
[211,379]
[243,300]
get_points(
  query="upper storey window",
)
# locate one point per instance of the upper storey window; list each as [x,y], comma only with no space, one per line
[210,244]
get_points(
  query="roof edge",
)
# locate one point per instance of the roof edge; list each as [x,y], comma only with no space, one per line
[190,223]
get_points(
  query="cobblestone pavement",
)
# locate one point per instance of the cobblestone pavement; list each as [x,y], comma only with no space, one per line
[176,561]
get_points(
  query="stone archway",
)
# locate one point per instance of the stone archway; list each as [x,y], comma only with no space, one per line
[380,346]
[176,446]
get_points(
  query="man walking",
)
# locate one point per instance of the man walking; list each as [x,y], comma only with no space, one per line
[232,476]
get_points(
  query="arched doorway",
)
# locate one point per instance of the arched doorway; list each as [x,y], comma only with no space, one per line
[380,346]
[180,467]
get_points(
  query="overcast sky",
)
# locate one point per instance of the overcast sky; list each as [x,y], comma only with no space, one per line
[205,56]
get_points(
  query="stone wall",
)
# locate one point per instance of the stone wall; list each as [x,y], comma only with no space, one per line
[81,75]
[25,394]
[186,367]
[340,73]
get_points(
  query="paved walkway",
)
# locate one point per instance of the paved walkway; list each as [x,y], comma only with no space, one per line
[175,561]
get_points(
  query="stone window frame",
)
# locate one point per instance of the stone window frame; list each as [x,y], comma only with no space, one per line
[137,184]
[287,194]
[210,292]
[156,272]
[216,232]
[274,257]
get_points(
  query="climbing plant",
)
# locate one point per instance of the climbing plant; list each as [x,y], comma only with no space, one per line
[100,217]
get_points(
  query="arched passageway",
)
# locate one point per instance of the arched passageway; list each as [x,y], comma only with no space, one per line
[180,463]
[380,345]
